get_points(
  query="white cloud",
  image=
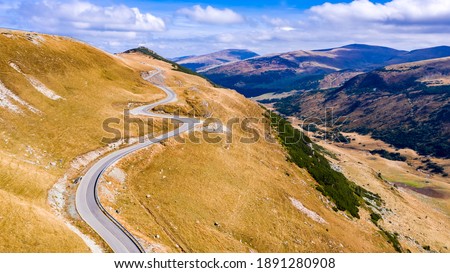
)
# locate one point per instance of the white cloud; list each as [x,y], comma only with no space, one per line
[225,38]
[287,28]
[403,24]
[394,12]
[278,22]
[87,16]
[211,15]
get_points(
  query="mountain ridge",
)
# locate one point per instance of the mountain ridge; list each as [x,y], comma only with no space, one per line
[406,105]
[304,69]
[261,196]
[207,61]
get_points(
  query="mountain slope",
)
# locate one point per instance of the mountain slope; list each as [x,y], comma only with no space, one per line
[229,192]
[300,70]
[250,190]
[406,105]
[422,54]
[226,191]
[207,61]
[297,69]
[55,94]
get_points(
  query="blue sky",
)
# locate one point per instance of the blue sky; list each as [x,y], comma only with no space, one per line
[302,4]
[177,28]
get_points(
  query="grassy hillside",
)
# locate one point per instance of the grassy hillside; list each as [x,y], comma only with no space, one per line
[201,196]
[55,94]
[156,56]
[221,197]
[303,153]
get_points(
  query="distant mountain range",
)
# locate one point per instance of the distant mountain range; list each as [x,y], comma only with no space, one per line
[205,62]
[407,105]
[299,70]
[59,96]
[401,97]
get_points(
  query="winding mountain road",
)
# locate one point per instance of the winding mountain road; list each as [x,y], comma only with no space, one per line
[87,202]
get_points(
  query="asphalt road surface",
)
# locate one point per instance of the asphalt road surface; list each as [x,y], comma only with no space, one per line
[87,202]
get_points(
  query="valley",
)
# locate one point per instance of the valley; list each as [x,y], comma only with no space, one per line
[419,201]
[380,114]
[218,203]
[311,69]
[234,183]
[405,105]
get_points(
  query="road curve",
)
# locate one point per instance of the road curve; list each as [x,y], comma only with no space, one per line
[87,202]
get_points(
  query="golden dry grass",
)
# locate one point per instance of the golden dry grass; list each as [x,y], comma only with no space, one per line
[31,228]
[219,198]
[36,149]
[420,220]
[207,198]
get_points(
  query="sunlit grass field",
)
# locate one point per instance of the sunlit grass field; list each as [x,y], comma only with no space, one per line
[36,148]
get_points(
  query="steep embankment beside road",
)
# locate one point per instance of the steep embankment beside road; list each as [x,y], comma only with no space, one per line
[54,95]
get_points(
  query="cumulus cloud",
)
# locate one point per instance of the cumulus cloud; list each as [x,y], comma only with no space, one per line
[212,15]
[279,23]
[403,24]
[87,16]
[414,12]
[276,21]
[225,38]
